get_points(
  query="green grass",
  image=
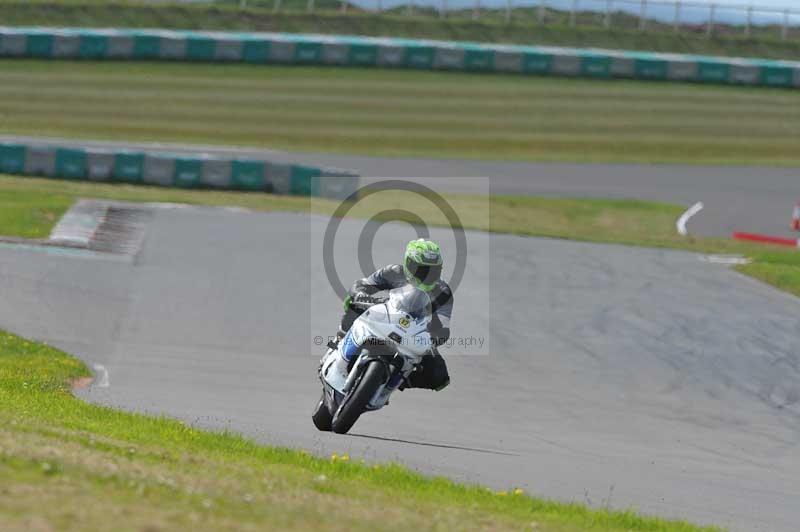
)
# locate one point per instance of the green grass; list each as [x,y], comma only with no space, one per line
[30,214]
[631,222]
[402,113]
[70,465]
[52,197]
[491,27]
[781,270]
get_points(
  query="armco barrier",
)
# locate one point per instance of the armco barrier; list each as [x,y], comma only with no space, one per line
[154,44]
[181,170]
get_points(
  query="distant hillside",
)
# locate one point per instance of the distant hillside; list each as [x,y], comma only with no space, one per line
[491,27]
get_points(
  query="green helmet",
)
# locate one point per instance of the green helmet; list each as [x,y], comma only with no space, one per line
[422,264]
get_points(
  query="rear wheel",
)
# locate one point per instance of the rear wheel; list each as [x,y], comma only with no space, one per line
[322,417]
[356,402]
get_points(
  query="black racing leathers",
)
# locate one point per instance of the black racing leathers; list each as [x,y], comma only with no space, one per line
[433,373]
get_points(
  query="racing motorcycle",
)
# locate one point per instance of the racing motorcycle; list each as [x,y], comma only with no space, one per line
[377,355]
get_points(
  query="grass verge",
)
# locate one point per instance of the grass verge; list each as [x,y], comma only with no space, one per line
[524,29]
[631,222]
[70,465]
[401,112]
[781,270]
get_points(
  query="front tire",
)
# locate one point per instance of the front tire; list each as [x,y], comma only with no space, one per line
[356,402]
[322,417]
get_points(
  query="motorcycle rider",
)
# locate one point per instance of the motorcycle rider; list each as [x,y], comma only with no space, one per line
[422,268]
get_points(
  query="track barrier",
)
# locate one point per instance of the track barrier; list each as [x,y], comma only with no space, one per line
[181,170]
[286,48]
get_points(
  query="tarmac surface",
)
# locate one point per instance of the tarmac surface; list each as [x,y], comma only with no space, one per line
[749,199]
[610,375]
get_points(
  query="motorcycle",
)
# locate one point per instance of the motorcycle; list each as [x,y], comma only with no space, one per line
[383,347]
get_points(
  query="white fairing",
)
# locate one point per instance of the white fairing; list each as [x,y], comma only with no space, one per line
[385,323]
[334,370]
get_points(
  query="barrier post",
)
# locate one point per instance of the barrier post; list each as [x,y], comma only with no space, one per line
[710,28]
[749,24]
[572,13]
[785,28]
[643,16]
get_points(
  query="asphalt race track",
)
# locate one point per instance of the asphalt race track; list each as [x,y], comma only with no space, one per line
[615,376]
[749,199]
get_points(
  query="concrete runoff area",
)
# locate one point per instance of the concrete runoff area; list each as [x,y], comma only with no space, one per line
[750,199]
[617,376]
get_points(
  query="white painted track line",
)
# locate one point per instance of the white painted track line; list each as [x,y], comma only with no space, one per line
[691,211]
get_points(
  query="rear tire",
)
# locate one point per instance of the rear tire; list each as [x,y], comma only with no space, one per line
[322,417]
[355,403]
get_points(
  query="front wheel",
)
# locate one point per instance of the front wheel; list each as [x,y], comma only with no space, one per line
[356,402]
[322,417]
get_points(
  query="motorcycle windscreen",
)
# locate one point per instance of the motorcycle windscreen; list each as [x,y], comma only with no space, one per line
[410,300]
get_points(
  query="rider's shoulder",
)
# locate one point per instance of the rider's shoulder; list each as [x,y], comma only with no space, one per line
[393,274]
[395,269]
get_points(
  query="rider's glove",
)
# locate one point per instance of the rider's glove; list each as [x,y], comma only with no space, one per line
[350,299]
